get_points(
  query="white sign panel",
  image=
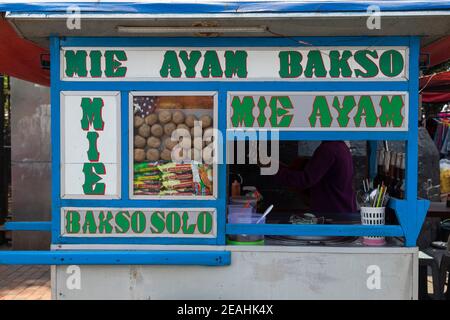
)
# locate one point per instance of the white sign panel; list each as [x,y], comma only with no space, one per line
[90,145]
[318,111]
[135,222]
[235,64]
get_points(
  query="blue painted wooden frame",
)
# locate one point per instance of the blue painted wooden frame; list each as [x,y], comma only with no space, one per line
[411,212]
[125,202]
[28,226]
[221,7]
[112,257]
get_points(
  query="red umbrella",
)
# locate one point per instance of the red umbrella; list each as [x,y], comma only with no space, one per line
[436,97]
[439,51]
[21,58]
[434,81]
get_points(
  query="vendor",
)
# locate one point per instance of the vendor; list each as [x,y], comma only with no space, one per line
[328,175]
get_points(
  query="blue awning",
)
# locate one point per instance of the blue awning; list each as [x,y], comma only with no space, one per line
[217,7]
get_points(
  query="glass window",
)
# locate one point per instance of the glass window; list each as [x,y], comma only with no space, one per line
[173,146]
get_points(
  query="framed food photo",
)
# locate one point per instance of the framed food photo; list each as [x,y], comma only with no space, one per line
[173,145]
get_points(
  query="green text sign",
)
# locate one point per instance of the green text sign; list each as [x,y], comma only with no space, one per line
[162,222]
[219,64]
[337,111]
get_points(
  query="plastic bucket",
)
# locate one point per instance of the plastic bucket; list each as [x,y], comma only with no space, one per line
[373,216]
[243,217]
[235,211]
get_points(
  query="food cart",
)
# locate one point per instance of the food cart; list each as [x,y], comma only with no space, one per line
[119,220]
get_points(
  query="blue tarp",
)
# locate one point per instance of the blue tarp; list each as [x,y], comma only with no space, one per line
[214,7]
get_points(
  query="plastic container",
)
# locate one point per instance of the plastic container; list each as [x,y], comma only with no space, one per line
[373,216]
[241,215]
[242,201]
[235,210]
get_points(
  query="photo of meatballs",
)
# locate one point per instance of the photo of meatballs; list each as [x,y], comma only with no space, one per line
[168,161]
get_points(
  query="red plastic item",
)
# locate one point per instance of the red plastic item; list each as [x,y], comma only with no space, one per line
[21,58]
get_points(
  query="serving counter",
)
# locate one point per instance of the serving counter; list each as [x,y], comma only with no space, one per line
[256,273]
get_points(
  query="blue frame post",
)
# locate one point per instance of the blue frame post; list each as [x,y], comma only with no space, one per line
[222,168]
[414,221]
[125,159]
[412,148]
[55,136]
